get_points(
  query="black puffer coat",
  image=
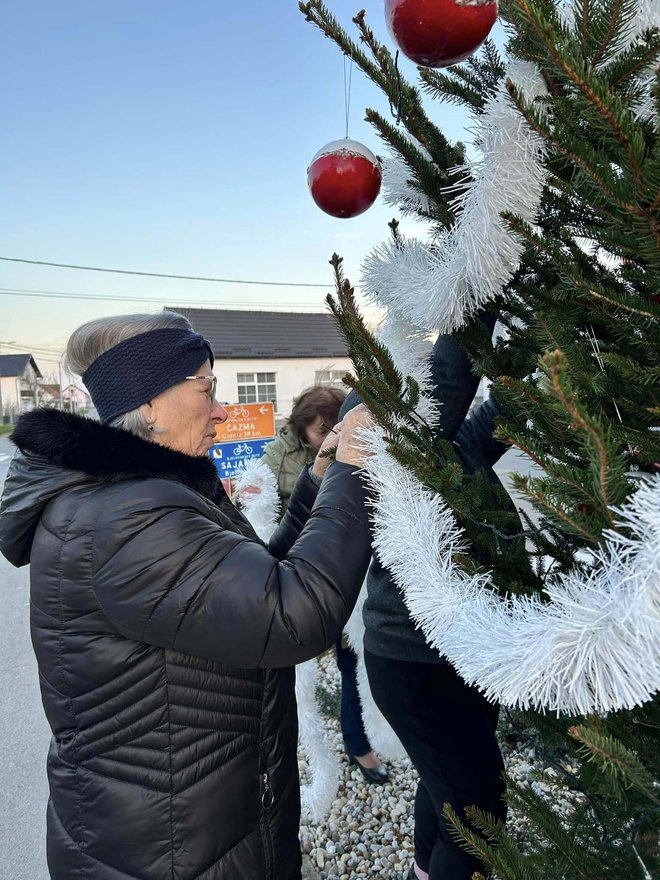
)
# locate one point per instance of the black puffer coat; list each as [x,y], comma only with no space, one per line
[165,633]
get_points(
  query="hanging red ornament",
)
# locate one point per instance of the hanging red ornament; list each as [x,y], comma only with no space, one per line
[344,178]
[437,33]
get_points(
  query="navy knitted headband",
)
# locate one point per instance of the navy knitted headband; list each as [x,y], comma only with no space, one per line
[137,369]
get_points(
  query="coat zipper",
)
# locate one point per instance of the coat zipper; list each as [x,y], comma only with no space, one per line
[267,796]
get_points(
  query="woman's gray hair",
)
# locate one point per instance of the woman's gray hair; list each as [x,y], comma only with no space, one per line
[93,339]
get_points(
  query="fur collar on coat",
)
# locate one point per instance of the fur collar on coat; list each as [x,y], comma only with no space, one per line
[76,443]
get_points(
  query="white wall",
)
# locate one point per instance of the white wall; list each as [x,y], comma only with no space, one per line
[8,393]
[19,394]
[292,375]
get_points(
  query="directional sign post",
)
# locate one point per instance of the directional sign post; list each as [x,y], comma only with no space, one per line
[229,458]
[242,437]
[247,421]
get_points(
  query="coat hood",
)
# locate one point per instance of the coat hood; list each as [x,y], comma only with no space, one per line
[57,451]
[290,441]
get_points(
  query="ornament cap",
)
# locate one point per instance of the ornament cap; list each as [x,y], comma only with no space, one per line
[348,147]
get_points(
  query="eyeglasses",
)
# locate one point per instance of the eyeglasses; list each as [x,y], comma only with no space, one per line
[212,379]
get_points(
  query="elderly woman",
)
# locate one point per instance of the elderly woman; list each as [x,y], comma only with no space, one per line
[165,631]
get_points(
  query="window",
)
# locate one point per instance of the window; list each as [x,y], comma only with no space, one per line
[256,388]
[334,377]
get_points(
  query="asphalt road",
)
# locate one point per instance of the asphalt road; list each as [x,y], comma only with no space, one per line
[24,733]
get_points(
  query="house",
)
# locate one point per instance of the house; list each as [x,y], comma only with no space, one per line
[262,356]
[19,388]
[49,394]
[74,399]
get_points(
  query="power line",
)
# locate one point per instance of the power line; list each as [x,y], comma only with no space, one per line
[61,294]
[41,350]
[162,274]
[50,349]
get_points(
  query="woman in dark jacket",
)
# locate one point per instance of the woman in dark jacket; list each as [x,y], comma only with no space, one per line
[446,726]
[165,632]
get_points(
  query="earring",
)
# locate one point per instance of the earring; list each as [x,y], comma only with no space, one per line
[150,427]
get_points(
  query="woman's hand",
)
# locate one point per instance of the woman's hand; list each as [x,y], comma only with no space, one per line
[321,462]
[350,448]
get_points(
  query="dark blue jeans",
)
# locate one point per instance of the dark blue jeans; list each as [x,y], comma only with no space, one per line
[352,729]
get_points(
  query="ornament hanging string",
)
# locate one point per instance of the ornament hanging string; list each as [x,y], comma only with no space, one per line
[347,89]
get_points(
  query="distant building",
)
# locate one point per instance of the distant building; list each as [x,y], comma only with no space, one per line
[74,399]
[19,385]
[262,356]
[49,394]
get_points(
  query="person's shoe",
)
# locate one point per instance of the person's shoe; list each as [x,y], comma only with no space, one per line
[374,775]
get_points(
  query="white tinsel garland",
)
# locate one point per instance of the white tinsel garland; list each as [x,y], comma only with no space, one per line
[593,647]
[439,288]
[379,733]
[317,796]
[261,508]
[647,16]
[397,189]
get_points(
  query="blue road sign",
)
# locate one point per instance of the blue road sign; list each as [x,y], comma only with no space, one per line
[229,458]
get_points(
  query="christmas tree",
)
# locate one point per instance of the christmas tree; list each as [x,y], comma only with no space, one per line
[556,230]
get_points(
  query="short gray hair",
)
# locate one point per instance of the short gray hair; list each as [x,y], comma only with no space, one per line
[94,338]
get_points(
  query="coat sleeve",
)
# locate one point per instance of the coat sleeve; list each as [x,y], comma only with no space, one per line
[475,442]
[296,515]
[168,574]
[454,383]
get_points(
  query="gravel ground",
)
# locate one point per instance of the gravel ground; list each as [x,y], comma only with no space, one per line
[369,832]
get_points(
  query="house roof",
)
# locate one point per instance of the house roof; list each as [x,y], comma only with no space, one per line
[13,365]
[53,390]
[241,334]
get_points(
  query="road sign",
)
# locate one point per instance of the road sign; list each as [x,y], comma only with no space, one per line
[229,458]
[247,421]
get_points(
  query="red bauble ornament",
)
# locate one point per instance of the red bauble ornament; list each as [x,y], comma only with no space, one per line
[344,178]
[437,33]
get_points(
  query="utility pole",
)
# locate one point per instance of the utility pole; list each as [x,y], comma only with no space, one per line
[59,366]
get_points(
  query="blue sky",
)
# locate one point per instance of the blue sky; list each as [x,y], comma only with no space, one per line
[171,136]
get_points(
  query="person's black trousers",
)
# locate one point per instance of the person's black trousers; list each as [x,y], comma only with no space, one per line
[448,730]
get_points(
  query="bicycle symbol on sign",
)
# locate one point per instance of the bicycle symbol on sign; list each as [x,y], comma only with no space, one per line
[243,449]
[239,412]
